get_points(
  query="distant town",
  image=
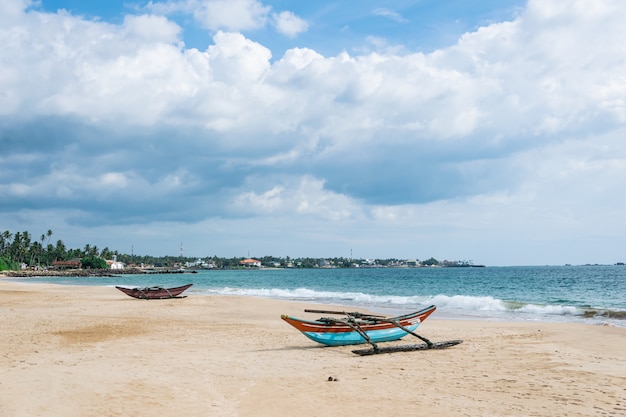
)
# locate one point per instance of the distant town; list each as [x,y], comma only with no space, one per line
[273,262]
[22,252]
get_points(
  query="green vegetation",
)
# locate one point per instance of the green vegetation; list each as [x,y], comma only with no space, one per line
[94,262]
[19,250]
[7,264]
[430,262]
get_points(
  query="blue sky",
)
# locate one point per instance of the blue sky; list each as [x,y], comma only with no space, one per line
[420,25]
[487,131]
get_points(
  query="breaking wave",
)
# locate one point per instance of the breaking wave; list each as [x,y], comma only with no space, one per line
[451,306]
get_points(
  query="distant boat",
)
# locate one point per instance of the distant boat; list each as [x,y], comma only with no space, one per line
[153,293]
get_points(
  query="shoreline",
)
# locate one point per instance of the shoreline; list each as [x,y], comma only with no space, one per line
[90,272]
[89,350]
[595,316]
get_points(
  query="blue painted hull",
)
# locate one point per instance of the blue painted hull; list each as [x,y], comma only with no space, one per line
[332,332]
[354,338]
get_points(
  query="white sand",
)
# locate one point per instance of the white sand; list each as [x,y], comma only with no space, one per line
[92,351]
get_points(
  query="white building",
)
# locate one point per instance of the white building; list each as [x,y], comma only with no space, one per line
[115,264]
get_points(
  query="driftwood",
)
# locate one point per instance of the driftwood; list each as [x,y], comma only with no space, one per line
[406,348]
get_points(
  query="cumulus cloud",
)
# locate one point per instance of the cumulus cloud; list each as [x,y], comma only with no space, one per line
[506,117]
[289,24]
[232,15]
[236,61]
[11,10]
[215,15]
[302,196]
[151,29]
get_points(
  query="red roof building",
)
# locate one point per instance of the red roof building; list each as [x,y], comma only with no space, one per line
[250,263]
[72,263]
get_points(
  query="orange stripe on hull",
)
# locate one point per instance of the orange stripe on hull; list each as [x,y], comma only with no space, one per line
[323,327]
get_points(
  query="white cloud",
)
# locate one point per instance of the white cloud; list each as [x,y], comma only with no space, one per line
[524,78]
[232,15]
[289,24]
[303,196]
[13,9]
[518,124]
[234,59]
[390,14]
[114,179]
[151,29]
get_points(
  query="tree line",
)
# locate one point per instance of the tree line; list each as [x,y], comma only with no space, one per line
[21,248]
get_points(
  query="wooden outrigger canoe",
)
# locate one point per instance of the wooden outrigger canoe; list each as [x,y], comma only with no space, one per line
[358,328]
[154,293]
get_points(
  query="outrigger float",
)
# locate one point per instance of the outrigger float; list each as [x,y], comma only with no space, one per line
[359,328]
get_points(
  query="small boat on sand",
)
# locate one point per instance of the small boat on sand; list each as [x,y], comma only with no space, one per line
[358,328]
[154,293]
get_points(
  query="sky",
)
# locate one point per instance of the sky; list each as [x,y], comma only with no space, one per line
[492,132]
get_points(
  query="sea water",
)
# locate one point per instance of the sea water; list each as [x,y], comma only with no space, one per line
[589,294]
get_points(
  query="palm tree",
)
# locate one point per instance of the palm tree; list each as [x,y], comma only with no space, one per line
[60,252]
[35,253]
[5,239]
[26,238]
[106,253]
[15,249]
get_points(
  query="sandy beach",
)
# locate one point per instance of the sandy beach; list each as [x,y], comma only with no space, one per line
[93,351]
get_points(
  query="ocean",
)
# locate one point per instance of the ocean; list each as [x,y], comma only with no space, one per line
[587,294]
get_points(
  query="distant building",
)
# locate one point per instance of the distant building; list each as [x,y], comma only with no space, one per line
[113,264]
[69,264]
[200,264]
[250,263]
[324,263]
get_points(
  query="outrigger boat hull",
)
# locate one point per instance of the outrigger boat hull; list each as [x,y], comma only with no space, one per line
[337,333]
[154,293]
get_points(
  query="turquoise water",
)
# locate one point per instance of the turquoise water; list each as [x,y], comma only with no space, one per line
[592,294]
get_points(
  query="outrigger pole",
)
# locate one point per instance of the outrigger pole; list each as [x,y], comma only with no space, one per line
[353,324]
[354,314]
